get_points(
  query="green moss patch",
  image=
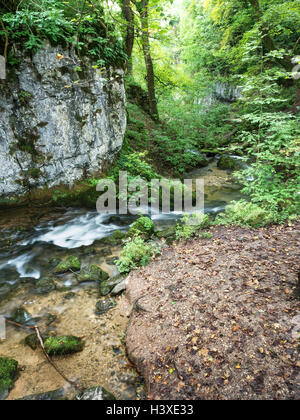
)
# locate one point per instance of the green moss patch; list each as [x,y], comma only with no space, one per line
[92,273]
[8,372]
[70,263]
[61,345]
[115,239]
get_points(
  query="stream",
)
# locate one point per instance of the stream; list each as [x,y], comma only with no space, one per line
[32,241]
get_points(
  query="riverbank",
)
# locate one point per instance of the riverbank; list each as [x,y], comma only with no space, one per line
[219,318]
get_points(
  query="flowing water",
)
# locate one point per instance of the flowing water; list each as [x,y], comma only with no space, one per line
[32,242]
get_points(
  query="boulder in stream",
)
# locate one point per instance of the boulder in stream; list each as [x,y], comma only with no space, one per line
[228,163]
[44,286]
[104,305]
[115,239]
[106,287]
[92,273]
[70,263]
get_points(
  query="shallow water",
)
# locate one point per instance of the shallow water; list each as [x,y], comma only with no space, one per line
[28,256]
[31,239]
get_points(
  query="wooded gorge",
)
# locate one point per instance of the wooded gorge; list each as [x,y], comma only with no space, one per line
[149,305]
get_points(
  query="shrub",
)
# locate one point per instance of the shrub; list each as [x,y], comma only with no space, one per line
[246,214]
[191,224]
[144,227]
[136,253]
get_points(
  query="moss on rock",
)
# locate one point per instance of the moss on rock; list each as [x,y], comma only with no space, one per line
[44,286]
[105,288]
[115,239]
[70,263]
[103,306]
[61,345]
[8,373]
[227,163]
[92,273]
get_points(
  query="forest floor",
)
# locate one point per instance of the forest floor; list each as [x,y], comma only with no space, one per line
[220,318]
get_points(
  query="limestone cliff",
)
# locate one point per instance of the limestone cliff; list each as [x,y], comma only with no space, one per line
[58,122]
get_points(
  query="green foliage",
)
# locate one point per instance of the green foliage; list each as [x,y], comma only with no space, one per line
[143,227]
[63,23]
[246,214]
[190,225]
[8,370]
[135,164]
[136,253]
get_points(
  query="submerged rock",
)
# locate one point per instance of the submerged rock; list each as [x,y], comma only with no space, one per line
[61,345]
[58,394]
[92,273]
[20,316]
[33,342]
[44,286]
[8,374]
[104,252]
[97,393]
[104,305]
[70,263]
[111,260]
[5,290]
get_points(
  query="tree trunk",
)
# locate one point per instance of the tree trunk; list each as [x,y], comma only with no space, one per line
[129,38]
[267,41]
[143,11]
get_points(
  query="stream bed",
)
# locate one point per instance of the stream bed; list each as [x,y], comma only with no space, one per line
[32,241]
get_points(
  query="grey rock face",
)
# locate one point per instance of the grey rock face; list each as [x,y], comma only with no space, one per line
[58,124]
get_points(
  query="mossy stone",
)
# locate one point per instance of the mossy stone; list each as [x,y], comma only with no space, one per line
[44,286]
[33,342]
[61,345]
[202,161]
[70,263]
[105,288]
[166,233]
[227,163]
[104,305]
[92,273]
[115,239]
[8,373]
